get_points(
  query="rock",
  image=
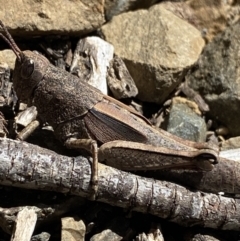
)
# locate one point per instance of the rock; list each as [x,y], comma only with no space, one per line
[156,59]
[232,143]
[41,237]
[212,17]
[155,234]
[182,10]
[58,50]
[91,60]
[106,235]
[216,77]
[38,17]
[120,81]
[185,122]
[7,56]
[117,229]
[208,16]
[201,237]
[73,230]
[115,7]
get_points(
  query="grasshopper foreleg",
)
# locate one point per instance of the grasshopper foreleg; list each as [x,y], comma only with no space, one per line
[91,146]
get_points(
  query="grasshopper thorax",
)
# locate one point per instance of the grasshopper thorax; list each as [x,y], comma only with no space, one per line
[29,70]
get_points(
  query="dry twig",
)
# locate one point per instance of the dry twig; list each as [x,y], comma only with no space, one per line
[28,166]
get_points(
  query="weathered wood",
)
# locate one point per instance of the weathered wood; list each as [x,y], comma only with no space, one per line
[8,215]
[3,129]
[25,224]
[28,166]
[90,61]
[25,117]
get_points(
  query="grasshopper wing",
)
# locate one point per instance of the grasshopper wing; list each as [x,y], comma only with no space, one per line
[105,126]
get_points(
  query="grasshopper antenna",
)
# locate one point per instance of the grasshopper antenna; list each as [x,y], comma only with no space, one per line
[9,40]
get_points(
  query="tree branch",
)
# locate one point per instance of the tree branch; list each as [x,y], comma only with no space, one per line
[29,166]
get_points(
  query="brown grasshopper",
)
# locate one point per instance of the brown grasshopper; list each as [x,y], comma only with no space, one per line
[83,117]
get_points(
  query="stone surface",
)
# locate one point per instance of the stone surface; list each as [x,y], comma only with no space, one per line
[106,235]
[7,56]
[157,48]
[212,17]
[185,122]
[182,10]
[73,230]
[119,80]
[216,77]
[115,7]
[41,237]
[232,143]
[38,17]
[118,228]
[209,16]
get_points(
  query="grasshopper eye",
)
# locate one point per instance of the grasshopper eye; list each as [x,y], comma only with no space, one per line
[27,68]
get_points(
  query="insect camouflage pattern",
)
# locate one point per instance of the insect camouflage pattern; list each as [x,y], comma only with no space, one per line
[83,117]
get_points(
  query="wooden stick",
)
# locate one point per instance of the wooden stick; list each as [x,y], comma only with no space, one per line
[29,166]
[25,224]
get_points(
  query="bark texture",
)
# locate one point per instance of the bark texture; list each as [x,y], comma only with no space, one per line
[28,166]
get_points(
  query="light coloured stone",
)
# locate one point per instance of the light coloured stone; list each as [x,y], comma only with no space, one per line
[57,17]
[157,48]
[232,143]
[7,56]
[73,230]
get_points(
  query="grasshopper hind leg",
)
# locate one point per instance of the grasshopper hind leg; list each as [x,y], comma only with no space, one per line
[92,147]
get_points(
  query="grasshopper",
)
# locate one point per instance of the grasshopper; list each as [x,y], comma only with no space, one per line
[83,117]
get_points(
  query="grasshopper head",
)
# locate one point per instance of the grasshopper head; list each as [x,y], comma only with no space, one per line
[29,68]
[28,73]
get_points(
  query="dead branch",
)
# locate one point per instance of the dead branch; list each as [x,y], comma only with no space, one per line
[29,166]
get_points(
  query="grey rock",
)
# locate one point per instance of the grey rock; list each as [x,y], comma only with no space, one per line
[106,235]
[216,77]
[156,59]
[201,237]
[115,7]
[55,17]
[41,237]
[120,81]
[185,122]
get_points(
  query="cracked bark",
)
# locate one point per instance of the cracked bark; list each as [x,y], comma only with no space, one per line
[29,166]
